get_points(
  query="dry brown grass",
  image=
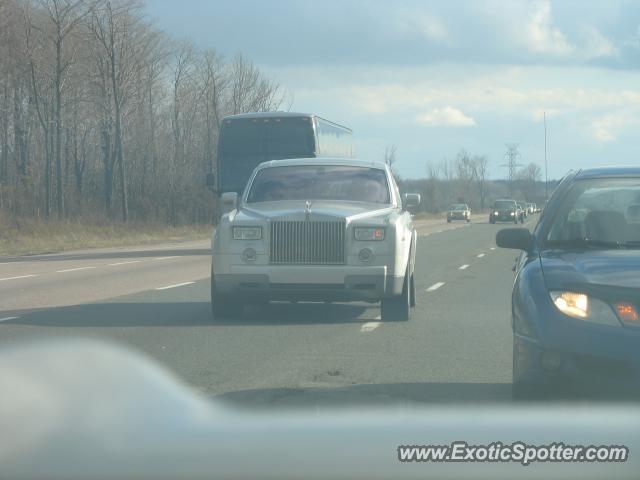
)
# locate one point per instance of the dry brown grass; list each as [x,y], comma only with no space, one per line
[31,237]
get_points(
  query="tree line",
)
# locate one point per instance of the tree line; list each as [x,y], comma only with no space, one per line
[464,179]
[104,116]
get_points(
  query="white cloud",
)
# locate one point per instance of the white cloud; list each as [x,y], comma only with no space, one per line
[445,117]
[417,20]
[606,128]
[431,27]
[542,36]
[596,45]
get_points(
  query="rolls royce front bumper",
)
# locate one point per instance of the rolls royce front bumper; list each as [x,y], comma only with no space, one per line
[308,282]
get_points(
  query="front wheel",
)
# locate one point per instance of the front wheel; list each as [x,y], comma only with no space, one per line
[397,308]
[412,291]
[222,307]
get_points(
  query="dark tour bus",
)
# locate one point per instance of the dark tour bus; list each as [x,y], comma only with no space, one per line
[249,139]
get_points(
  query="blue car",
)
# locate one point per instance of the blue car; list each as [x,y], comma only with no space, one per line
[576,297]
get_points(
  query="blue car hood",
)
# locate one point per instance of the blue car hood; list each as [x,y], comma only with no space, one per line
[619,269]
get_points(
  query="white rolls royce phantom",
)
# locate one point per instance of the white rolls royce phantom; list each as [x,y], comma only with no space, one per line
[316,230]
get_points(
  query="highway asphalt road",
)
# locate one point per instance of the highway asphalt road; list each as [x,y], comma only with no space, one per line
[456,348]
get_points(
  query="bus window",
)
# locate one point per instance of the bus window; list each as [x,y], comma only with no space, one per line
[290,138]
[242,137]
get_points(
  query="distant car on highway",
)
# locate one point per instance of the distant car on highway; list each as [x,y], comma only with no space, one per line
[531,208]
[459,211]
[523,210]
[316,230]
[504,210]
[576,298]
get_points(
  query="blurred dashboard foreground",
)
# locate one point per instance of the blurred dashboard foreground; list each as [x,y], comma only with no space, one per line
[82,409]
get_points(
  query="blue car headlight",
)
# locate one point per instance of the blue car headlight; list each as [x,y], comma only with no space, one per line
[584,307]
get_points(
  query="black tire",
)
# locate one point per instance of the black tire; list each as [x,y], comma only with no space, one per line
[522,390]
[448,220]
[468,220]
[223,307]
[515,220]
[492,221]
[412,291]
[397,308]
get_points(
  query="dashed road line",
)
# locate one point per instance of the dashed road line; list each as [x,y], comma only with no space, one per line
[435,286]
[463,267]
[16,278]
[369,326]
[123,263]
[6,319]
[74,269]
[492,248]
[165,258]
[480,255]
[175,286]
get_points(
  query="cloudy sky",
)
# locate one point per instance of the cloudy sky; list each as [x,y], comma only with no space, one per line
[434,77]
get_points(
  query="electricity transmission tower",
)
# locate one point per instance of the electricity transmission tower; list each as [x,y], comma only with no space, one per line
[512,164]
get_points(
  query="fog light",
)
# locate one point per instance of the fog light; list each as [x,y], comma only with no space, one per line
[249,255]
[365,255]
[551,361]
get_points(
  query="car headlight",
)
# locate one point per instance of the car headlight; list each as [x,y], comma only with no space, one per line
[513,214]
[496,213]
[368,233]
[247,233]
[583,307]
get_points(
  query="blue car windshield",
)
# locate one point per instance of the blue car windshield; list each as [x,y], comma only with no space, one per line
[599,212]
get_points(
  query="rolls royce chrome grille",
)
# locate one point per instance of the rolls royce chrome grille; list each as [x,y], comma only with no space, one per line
[307,242]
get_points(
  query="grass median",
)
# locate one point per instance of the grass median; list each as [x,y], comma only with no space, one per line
[33,237]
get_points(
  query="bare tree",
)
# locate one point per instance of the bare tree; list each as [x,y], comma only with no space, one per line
[121,42]
[481,167]
[528,176]
[64,16]
[98,106]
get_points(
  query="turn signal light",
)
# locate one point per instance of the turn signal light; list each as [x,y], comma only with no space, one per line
[627,312]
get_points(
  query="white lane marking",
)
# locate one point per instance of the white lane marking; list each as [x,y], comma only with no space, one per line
[481,255]
[463,267]
[123,263]
[492,248]
[439,231]
[16,278]
[175,286]
[435,286]
[369,326]
[165,258]
[6,319]
[74,269]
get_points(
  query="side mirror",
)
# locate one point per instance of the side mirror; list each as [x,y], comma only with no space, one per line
[411,200]
[211,180]
[517,238]
[229,201]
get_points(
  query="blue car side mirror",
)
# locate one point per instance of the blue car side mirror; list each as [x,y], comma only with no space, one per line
[517,238]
